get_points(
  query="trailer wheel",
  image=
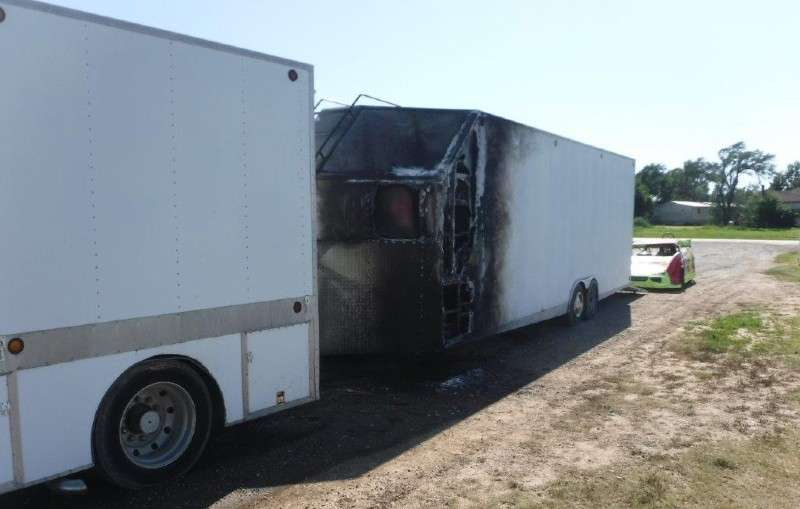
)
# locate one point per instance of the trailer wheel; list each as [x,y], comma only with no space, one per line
[152,425]
[577,305]
[592,301]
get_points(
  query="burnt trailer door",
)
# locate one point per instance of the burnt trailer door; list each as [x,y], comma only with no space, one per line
[436,226]
[386,230]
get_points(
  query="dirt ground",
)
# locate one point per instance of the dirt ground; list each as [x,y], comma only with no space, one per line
[514,420]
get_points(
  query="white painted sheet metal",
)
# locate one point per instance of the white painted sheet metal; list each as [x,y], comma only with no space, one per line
[567,221]
[269,352]
[6,458]
[145,175]
[157,189]
[72,391]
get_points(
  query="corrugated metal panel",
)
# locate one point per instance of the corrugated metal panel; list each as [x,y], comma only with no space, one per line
[378,296]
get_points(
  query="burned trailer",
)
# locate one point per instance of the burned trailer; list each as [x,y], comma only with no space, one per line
[437,226]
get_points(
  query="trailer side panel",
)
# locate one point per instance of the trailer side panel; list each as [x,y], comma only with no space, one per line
[144,186]
[157,201]
[559,211]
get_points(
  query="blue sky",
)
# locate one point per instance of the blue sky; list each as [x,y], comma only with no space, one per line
[658,81]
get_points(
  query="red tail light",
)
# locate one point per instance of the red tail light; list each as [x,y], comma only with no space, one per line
[675,270]
[396,214]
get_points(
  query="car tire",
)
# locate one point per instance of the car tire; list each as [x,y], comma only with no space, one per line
[577,305]
[152,425]
[592,301]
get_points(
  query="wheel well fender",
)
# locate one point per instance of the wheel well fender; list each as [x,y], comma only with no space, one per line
[578,283]
[217,400]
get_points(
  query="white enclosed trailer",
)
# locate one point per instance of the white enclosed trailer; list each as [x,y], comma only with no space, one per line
[157,273]
[441,226]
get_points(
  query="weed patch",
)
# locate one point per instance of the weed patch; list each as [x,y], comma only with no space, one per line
[610,396]
[751,339]
[787,267]
[760,472]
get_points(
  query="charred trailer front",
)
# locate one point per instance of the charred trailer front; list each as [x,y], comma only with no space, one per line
[438,226]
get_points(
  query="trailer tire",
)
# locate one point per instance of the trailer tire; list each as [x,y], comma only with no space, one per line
[152,425]
[577,305]
[592,301]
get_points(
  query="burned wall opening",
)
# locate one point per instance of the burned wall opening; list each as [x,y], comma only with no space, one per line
[381,139]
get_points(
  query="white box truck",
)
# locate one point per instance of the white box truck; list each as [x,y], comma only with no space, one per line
[157,269]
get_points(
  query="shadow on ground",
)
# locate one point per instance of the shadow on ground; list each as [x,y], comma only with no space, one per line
[372,409]
[686,287]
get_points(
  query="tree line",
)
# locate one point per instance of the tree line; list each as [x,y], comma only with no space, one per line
[720,182]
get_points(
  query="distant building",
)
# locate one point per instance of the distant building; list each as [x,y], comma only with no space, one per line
[791,199]
[682,212]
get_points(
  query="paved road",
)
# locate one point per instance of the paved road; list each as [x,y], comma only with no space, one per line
[374,410]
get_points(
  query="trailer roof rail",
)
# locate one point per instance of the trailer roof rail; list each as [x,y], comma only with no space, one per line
[342,127]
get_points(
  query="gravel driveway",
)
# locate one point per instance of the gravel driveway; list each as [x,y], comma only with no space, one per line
[494,414]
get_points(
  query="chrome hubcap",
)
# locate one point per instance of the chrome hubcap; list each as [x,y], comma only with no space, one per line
[579,304]
[150,422]
[157,425]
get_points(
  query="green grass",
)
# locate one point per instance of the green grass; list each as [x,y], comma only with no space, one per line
[781,340]
[787,267]
[753,338]
[718,232]
[723,334]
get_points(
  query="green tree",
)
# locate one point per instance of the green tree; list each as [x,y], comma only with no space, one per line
[691,182]
[764,210]
[669,184]
[788,180]
[651,178]
[642,202]
[735,162]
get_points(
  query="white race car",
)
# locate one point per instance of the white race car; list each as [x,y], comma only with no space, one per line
[662,263]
